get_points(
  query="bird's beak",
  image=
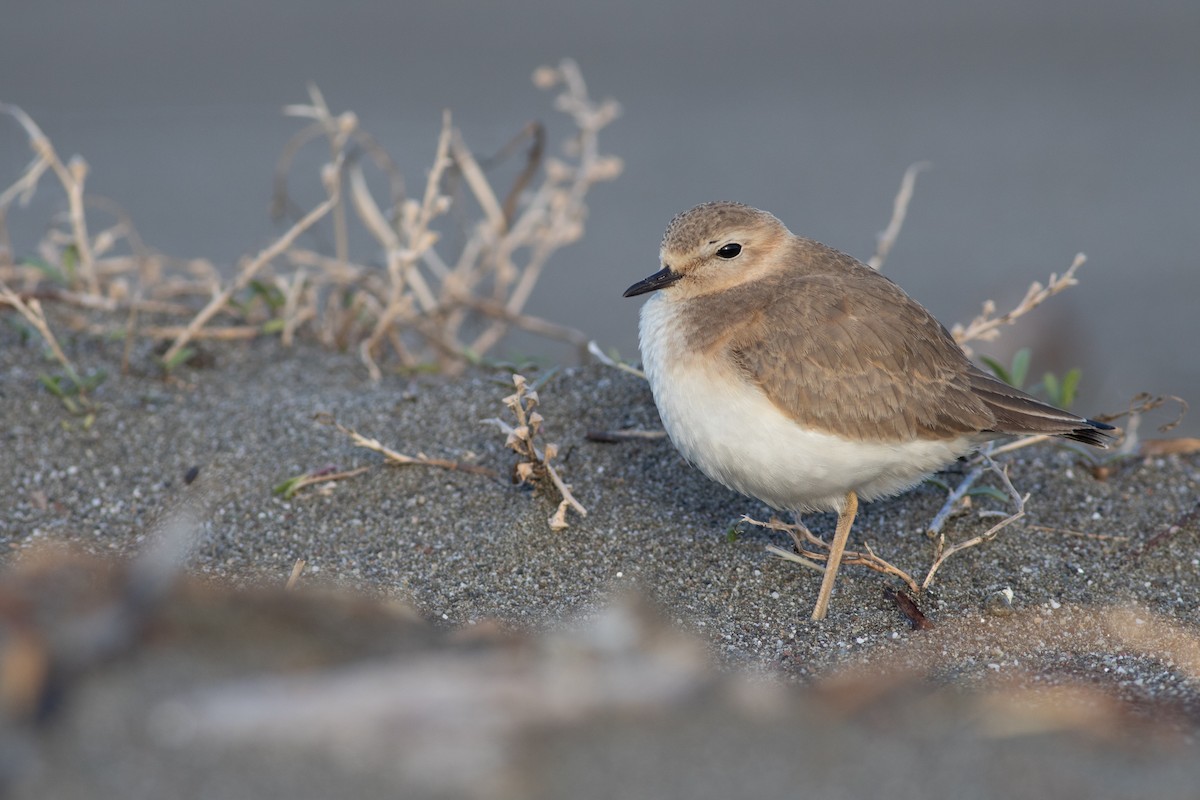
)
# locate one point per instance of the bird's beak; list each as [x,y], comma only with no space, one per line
[659,280]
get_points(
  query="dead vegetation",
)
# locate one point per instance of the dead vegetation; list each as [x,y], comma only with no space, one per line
[811,551]
[448,288]
[525,439]
[445,292]
[523,435]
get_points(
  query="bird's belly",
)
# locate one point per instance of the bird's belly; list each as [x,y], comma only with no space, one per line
[728,428]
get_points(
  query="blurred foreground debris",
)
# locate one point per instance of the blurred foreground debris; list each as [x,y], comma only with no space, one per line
[304,693]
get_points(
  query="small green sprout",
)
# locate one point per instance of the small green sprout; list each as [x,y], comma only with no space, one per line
[1015,374]
[182,357]
[1062,391]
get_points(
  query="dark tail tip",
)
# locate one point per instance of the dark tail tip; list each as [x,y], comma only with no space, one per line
[1093,433]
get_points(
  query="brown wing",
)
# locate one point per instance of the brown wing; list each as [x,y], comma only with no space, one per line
[849,353]
[838,347]
[1018,413]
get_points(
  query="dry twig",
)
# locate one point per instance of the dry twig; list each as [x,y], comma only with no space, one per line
[535,464]
[294,577]
[942,552]
[35,316]
[1104,537]
[71,175]
[437,298]
[399,459]
[595,351]
[888,236]
[812,552]
[986,326]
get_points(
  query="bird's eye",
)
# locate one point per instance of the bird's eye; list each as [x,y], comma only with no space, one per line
[730,250]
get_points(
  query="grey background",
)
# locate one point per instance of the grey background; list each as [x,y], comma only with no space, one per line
[1052,128]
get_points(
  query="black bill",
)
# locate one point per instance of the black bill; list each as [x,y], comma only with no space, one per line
[659,280]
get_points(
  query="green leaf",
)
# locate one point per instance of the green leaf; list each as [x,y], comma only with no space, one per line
[269,294]
[93,380]
[289,487]
[179,358]
[544,378]
[997,369]
[272,326]
[70,262]
[938,482]
[988,491]
[17,324]
[46,268]
[1020,367]
[53,384]
[1053,390]
[1070,384]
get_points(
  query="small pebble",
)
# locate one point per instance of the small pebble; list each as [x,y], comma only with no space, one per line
[999,604]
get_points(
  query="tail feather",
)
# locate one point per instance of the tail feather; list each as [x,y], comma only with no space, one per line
[1018,413]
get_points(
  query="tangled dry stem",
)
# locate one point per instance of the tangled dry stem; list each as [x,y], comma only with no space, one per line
[71,175]
[812,552]
[436,299]
[396,458]
[33,313]
[523,439]
[986,327]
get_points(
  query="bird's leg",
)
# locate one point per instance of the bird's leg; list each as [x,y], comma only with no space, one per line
[840,536]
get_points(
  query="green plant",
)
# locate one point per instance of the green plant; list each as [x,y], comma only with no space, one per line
[1059,391]
[72,390]
[172,361]
[1015,373]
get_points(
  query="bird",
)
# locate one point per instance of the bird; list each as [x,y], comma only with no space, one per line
[793,373]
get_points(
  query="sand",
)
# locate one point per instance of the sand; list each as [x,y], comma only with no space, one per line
[1102,573]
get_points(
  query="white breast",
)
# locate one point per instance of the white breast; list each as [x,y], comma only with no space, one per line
[728,428]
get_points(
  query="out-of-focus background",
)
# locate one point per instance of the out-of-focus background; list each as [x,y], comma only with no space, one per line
[1052,128]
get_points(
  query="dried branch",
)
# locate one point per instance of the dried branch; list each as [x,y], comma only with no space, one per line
[888,236]
[952,500]
[986,326]
[402,256]
[35,316]
[399,459]
[249,271]
[944,553]
[1104,537]
[294,577]
[555,214]
[71,175]
[535,464]
[812,552]
[421,306]
[291,487]
[598,354]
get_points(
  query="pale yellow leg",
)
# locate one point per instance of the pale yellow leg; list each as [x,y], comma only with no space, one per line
[840,536]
